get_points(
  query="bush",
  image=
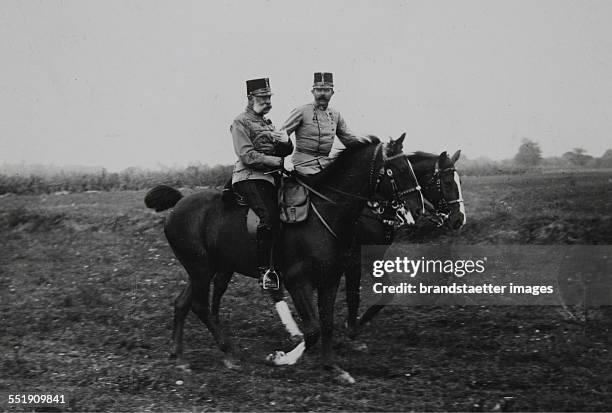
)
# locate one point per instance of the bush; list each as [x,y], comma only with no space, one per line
[129,179]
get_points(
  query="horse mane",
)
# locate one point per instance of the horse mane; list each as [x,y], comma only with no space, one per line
[419,156]
[339,164]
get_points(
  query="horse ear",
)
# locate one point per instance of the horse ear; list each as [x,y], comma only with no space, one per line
[456,156]
[443,155]
[395,146]
[399,143]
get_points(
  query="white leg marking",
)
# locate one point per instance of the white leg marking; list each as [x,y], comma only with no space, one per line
[461,206]
[345,378]
[279,358]
[287,319]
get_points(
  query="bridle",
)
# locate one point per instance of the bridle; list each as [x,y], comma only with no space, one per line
[400,216]
[375,177]
[438,216]
[436,182]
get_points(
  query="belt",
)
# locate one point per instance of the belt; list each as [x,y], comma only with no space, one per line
[310,152]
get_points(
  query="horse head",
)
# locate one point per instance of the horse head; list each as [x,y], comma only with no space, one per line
[397,185]
[441,185]
[390,180]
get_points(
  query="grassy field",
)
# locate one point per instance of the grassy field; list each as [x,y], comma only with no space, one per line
[87,283]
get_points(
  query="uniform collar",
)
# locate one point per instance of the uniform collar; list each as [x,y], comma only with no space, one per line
[314,105]
[249,111]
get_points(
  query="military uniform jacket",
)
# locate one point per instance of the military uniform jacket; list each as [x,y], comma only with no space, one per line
[257,151]
[314,135]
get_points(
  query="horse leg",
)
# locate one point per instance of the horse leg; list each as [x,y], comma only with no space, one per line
[285,316]
[374,309]
[220,283]
[353,297]
[182,304]
[302,295]
[304,303]
[353,282]
[369,314]
[327,297]
[352,278]
[200,276]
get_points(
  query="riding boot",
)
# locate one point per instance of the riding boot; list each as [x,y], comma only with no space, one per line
[268,278]
[227,195]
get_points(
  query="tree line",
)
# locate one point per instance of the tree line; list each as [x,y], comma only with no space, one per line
[527,159]
[530,155]
[129,179]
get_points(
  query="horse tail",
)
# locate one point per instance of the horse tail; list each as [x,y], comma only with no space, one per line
[162,197]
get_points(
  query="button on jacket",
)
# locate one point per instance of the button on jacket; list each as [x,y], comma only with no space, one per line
[251,135]
[314,135]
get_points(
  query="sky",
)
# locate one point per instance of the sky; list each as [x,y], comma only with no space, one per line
[157,83]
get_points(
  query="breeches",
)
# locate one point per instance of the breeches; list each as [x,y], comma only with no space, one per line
[261,197]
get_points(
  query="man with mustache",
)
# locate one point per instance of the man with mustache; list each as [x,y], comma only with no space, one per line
[315,125]
[260,149]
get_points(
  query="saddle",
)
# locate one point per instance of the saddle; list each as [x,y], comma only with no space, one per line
[293,202]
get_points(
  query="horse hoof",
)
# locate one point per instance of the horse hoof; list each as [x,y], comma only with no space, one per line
[345,378]
[276,358]
[231,364]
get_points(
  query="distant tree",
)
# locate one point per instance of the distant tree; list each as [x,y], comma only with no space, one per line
[578,157]
[606,160]
[529,153]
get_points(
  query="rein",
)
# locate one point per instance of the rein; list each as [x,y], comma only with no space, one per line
[396,203]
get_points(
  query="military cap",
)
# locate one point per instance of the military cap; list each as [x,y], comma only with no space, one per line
[258,87]
[323,79]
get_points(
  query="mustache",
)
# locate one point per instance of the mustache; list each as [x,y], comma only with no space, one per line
[261,108]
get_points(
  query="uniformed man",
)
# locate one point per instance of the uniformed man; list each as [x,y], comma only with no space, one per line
[315,125]
[260,149]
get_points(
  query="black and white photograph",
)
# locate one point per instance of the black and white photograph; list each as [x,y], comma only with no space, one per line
[282,205]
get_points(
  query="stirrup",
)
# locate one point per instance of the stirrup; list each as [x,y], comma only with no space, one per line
[270,280]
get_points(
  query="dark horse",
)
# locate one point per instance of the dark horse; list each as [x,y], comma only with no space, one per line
[441,186]
[209,237]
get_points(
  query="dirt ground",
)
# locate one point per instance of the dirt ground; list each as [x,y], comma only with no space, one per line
[87,283]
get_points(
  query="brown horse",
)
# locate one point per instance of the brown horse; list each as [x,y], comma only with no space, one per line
[209,237]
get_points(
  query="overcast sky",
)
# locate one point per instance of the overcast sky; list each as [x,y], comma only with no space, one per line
[144,83]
